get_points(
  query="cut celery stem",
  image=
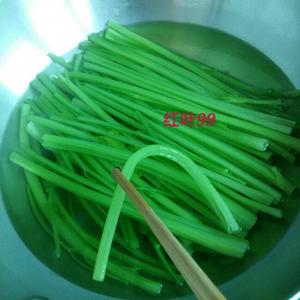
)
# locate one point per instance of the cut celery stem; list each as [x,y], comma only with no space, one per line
[175,58]
[86,99]
[272,211]
[129,232]
[119,155]
[180,104]
[198,233]
[68,173]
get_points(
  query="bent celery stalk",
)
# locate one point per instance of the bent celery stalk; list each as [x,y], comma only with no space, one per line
[212,196]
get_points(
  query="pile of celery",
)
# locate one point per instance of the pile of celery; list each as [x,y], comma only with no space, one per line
[207,184]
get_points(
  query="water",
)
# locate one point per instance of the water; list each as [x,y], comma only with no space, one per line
[215,49]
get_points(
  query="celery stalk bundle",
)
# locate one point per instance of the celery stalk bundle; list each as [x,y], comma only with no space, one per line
[105,109]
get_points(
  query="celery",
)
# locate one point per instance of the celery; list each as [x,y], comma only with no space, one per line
[106,108]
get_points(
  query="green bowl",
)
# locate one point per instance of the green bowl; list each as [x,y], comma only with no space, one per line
[271,268]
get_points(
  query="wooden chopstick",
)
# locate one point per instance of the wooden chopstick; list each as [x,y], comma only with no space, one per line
[195,277]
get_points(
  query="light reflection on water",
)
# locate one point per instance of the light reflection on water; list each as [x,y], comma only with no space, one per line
[55,24]
[58,25]
[20,64]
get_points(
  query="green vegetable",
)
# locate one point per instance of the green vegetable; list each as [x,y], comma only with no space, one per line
[105,110]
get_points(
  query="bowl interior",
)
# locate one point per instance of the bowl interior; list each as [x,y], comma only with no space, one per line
[216,49]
